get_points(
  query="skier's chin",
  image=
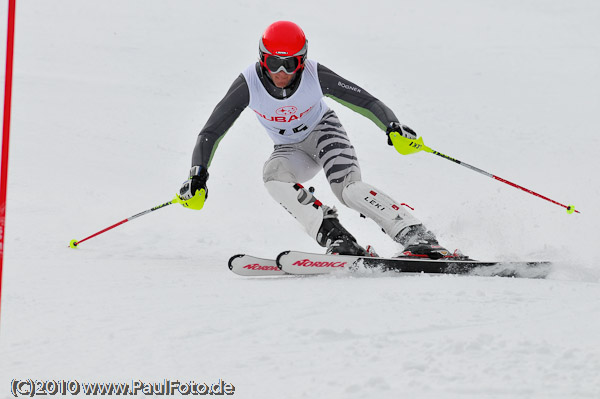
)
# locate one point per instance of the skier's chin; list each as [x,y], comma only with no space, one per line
[281,79]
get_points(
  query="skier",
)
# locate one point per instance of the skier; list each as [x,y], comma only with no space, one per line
[286,90]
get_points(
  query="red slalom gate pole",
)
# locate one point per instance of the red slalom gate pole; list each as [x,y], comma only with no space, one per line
[10,41]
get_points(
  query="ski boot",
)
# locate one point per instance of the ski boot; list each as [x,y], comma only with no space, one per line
[336,238]
[419,242]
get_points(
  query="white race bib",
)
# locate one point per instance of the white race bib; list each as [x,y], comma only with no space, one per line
[291,119]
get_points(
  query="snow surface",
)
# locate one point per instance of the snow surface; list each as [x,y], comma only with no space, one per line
[108,98]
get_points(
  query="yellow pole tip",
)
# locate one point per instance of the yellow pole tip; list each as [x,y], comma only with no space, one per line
[571,209]
[73,244]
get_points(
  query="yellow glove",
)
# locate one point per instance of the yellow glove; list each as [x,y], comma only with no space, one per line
[193,191]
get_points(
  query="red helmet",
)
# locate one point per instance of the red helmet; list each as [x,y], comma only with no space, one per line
[283,47]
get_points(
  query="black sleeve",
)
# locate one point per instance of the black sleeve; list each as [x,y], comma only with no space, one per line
[354,97]
[219,122]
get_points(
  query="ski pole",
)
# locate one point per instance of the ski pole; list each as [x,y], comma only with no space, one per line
[406,146]
[75,243]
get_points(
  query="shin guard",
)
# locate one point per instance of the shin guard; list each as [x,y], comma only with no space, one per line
[300,203]
[376,205]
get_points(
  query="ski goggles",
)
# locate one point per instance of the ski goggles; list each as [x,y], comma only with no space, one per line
[276,63]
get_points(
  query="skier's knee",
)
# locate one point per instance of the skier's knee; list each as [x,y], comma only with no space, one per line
[341,191]
[276,170]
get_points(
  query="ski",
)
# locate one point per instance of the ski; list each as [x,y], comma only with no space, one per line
[303,263]
[294,262]
[248,265]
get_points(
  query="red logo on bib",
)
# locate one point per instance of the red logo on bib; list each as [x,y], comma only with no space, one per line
[287,110]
